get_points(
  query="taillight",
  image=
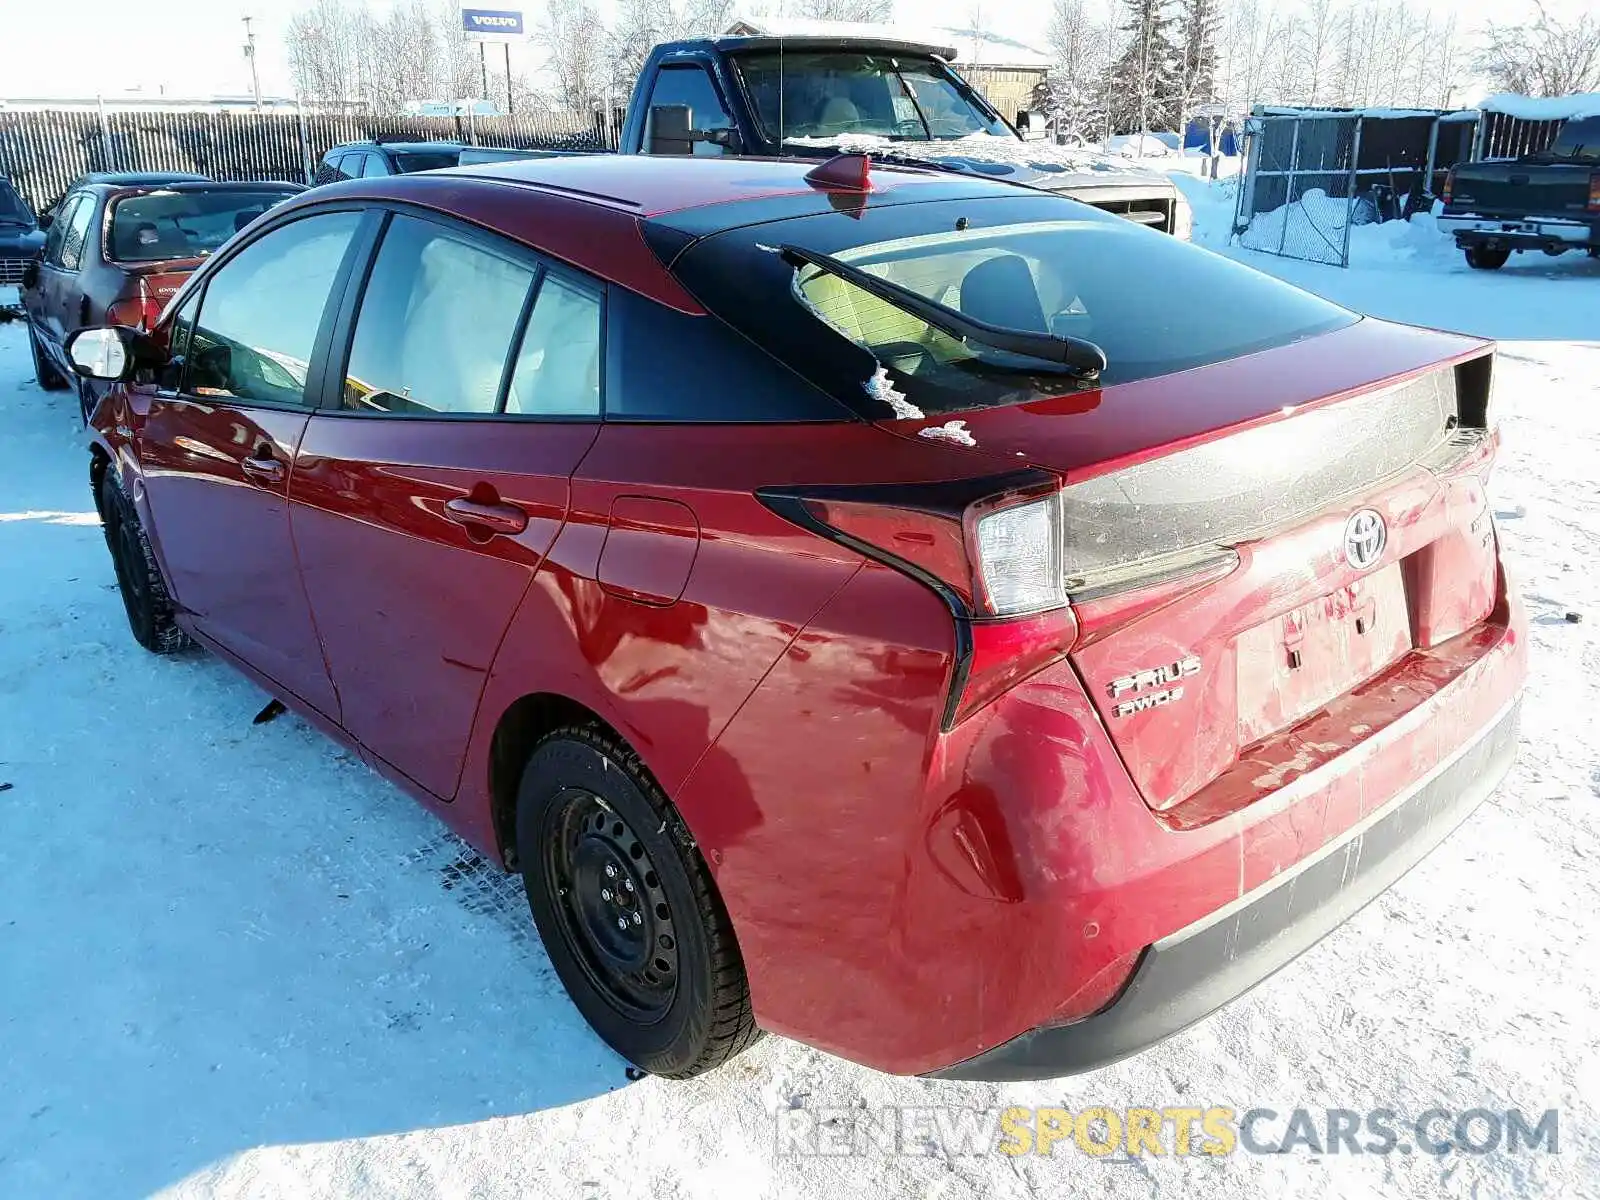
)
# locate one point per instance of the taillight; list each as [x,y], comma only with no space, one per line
[989,548]
[1449,184]
[1594,192]
[140,311]
[1019,557]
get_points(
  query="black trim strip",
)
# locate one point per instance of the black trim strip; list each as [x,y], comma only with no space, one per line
[946,498]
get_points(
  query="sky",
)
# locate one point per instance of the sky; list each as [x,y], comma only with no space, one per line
[194,47]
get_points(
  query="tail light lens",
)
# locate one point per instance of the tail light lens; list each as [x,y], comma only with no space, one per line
[140,310]
[1594,192]
[1019,558]
[1449,184]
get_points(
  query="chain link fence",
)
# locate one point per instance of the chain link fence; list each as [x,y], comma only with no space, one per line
[44,150]
[1298,197]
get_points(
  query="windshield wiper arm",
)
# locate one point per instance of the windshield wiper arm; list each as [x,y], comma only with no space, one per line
[1082,359]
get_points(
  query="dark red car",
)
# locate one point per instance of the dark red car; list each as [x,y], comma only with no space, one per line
[116,252]
[928,618]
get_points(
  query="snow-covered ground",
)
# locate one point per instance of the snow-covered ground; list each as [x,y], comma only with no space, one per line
[234,963]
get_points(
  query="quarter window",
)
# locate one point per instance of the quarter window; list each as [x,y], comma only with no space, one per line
[77,233]
[261,311]
[437,323]
[558,366]
[58,229]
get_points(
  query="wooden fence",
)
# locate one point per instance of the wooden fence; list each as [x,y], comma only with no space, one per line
[44,150]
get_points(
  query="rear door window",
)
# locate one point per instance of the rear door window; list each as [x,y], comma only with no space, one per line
[558,364]
[373,167]
[76,235]
[437,322]
[65,213]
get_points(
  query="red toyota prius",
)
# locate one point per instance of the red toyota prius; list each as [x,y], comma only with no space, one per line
[931,619]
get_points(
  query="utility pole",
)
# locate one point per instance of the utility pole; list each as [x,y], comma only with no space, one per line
[511,107]
[250,53]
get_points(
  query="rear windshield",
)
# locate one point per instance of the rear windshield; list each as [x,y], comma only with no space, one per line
[1045,265]
[1579,139]
[161,225]
[426,160]
[807,95]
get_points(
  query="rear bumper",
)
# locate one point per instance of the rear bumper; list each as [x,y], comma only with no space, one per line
[1185,977]
[1525,233]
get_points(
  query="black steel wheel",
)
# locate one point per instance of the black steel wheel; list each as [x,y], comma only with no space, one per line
[144,593]
[627,908]
[614,913]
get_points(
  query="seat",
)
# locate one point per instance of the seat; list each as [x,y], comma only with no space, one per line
[1001,291]
[838,113]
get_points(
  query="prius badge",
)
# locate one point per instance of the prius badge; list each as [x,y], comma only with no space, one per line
[1138,686]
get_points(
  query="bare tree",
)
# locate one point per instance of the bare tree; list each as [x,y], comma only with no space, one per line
[846,10]
[1075,95]
[575,38]
[1545,57]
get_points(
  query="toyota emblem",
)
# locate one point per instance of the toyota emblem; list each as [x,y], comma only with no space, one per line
[1365,536]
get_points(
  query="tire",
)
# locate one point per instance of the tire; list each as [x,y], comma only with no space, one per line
[598,841]
[1485,258]
[144,592]
[49,379]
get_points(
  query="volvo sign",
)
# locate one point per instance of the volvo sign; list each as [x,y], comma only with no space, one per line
[493,24]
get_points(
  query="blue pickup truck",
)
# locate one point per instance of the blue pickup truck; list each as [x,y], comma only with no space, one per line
[898,101]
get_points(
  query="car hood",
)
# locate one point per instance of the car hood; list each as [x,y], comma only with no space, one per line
[1035,164]
[20,241]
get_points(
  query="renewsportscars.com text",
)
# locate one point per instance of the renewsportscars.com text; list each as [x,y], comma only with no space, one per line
[1176,1131]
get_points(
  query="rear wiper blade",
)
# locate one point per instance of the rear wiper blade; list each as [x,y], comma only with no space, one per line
[1082,359]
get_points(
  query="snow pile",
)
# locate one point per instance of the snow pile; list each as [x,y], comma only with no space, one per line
[998,155]
[1212,203]
[1139,145]
[1553,108]
[1312,227]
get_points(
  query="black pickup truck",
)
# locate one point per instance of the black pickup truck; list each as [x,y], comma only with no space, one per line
[1547,201]
[894,100]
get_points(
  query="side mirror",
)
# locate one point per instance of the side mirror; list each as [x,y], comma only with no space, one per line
[1031,124]
[671,129]
[103,352]
[46,218]
[728,139]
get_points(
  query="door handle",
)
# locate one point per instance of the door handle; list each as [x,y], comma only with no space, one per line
[263,468]
[497,518]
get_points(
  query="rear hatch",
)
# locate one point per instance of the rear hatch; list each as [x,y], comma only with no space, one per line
[1266,504]
[1522,189]
[1207,519]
